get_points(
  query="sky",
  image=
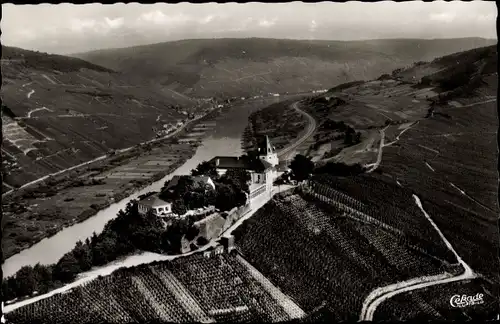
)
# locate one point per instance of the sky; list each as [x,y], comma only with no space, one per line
[68,28]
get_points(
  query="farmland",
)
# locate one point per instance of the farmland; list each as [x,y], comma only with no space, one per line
[229,67]
[191,289]
[316,253]
[58,112]
[81,193]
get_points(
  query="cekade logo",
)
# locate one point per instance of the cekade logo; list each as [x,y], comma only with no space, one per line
[464,300]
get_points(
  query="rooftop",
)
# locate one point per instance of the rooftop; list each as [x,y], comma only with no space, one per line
[153,201]
[236,162]
[201,180]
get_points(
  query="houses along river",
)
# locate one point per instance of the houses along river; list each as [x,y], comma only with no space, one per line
[225,139]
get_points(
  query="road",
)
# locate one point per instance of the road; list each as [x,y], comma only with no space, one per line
[147,257]
[141,258]
[374,166]
[100,158]
[379,295]
[310,130]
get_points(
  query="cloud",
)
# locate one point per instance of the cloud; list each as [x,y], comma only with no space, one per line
[26,34]
[267,23]
[159,18]
[79,25]
[446,17]
[207,19]
[114,23]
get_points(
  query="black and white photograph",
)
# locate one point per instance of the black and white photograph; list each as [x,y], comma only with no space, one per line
[249,162]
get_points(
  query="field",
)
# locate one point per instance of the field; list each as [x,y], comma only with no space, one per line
[190,289]
[58,112]
[315,253]
[256,66]
[72,197]
[44,211]
[452,165]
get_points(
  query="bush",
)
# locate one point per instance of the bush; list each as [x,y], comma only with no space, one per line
[201,241]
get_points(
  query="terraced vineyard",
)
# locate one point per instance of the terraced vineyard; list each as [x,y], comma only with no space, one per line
[191,289]
[399,212]
[317,253]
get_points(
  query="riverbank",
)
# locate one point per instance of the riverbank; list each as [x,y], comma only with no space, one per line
[54,209]
[41,211]
[221,135]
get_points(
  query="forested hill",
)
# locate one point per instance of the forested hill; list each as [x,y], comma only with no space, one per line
[234,67]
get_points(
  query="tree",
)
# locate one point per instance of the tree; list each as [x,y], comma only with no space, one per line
[43,275]
[340,169]
[178,207]
[26,281]
[238,178]
[83,255]
[205,168]
[67,268]
[192,232]
[349,136]
[225,197]
[301,167]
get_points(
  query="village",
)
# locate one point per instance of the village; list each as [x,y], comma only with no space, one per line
[195,195]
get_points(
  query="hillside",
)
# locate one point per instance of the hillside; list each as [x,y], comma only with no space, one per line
[428,130]
[423,217]
[243,67]
[58,112]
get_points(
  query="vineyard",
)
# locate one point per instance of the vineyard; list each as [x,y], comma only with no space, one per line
[317,254]
[434,303]
[386,205]
[191,289]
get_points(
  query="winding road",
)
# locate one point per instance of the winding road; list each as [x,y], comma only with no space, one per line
[379,295]
[310,130]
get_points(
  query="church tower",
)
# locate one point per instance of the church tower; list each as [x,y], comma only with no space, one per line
[267,152]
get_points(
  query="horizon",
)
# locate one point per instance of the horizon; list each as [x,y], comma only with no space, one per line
[93,27]
[251,37]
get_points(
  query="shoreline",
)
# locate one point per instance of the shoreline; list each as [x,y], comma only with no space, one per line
[121,193]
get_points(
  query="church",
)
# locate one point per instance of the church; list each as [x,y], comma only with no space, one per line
[263,169]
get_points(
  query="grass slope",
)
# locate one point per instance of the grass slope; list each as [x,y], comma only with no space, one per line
[60,111]
[241,67]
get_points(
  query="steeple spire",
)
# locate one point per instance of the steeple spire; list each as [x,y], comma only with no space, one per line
[269,147]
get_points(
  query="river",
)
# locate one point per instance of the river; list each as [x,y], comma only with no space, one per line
[225,139]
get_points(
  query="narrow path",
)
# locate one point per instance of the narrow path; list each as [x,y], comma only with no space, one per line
[37,109]
[30,93]
[379,295]
[472,198]
[49,79]
[374,166]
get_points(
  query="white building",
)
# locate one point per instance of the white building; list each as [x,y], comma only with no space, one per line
[153,203]
[262,171]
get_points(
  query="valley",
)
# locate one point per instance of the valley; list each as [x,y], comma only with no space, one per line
[399,205]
